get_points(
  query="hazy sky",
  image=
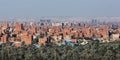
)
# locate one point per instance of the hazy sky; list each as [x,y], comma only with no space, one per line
[20,8]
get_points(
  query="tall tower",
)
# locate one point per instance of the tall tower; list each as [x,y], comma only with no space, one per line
[94,21]
[18,27]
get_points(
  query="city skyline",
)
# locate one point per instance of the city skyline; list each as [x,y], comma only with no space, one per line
[59,30]
[22,8]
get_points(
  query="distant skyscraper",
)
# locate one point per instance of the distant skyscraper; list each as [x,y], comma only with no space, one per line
[72,24]
[63,25]
[45,20]
[79,24]
[94,21]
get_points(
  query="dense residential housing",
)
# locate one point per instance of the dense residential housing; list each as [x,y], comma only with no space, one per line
[59,33]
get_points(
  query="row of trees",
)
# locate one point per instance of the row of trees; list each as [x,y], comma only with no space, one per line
[95,51]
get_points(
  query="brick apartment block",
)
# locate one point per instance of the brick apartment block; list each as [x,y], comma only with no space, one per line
[5,25]
[4,38]
[27,39]
[33,30]
[18,27]
[11,39]
[74,40]
[42,41]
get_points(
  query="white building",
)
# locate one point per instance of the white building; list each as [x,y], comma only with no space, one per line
[115,36]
